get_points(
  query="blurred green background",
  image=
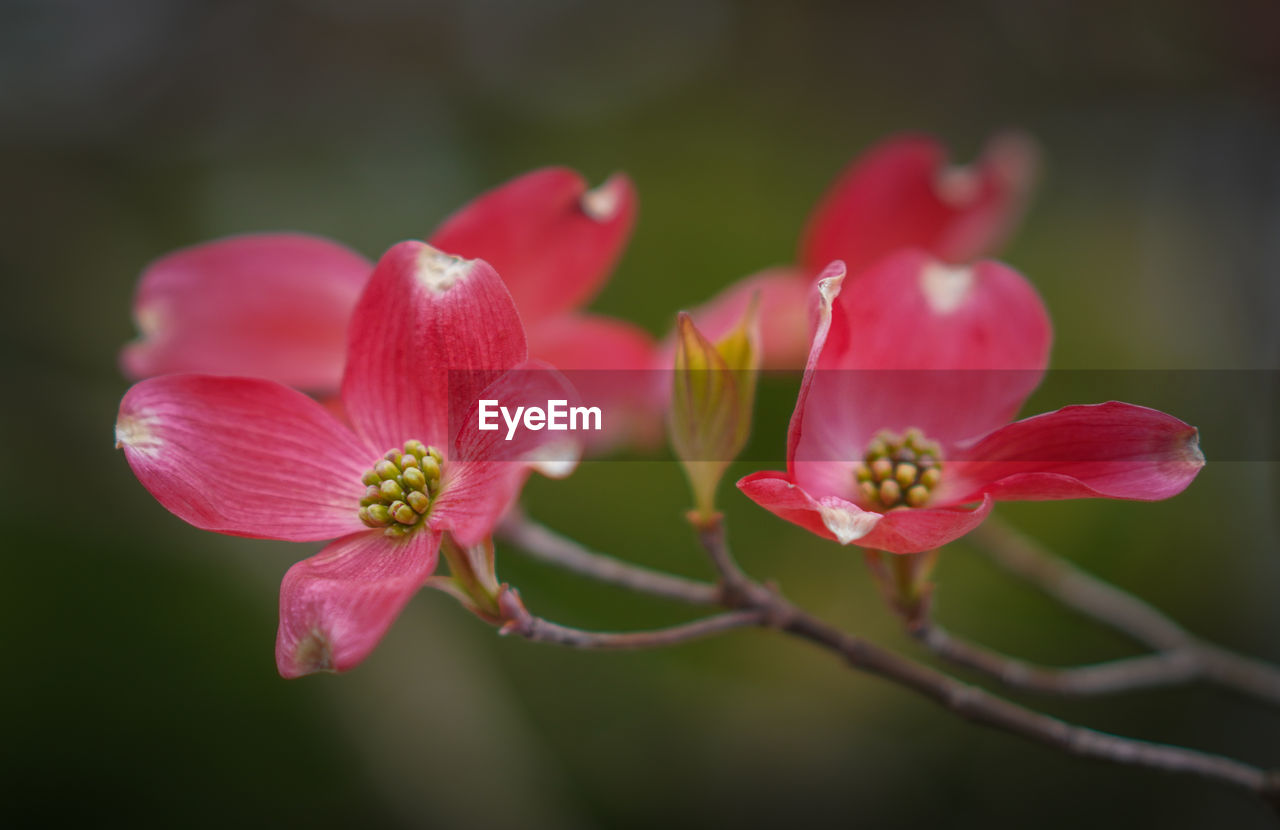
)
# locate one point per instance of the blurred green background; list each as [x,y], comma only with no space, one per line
[138,682]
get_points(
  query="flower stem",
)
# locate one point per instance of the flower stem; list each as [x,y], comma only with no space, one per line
[1183,656]
[545,545]
[543,631]
[1167,668]
[758,604]
[980,706]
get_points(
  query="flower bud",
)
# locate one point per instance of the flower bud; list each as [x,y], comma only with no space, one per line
[713,392]
[472,579]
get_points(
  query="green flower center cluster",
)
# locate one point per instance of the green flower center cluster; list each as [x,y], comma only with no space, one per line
[899,470]
[400,488]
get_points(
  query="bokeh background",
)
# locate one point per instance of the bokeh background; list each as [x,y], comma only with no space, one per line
[138,679]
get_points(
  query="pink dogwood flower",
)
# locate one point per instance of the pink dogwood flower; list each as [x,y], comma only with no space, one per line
[430,334]
[277,305]
[902,193]
[900,440]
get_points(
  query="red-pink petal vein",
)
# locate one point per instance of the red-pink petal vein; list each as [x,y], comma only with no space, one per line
[953,351]
[487,469]
[902,194]
[243,456]
[271,305]
[590,342]
[829,516]
[429,333]
[553,240]
[828,289]
[336,606]
[916,530]
[1111,450]
[611,362]
[832,517]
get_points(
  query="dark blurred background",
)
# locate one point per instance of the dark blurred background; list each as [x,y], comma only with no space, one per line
[138,682]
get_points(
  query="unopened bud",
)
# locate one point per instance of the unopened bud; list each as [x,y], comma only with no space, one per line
[712,397]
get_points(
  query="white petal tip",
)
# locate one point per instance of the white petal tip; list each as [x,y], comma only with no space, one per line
[313,654]
[134,431]
[439,271]
[945,287]
[848,526]
[603,203]
[830,280]
[150,319]
[1194,455]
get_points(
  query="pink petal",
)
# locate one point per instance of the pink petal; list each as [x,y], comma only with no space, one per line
[912,312]
[902,194]
[336,606]
[786,314]
[1110,450]
[264,305]
[486,470]
[916,530]
[244,456]
[429,333]
[818,450]
[953,351]
[553,241]
[611,364]
[897,531]
[589,342]
[830,517]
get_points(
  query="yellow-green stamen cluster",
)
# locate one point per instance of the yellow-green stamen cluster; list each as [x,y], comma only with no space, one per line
[400,488]
[899,470]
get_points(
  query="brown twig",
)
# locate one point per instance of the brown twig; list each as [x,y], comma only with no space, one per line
[761,605]
[980,706]
[1078,589]
[548,546]
[521,623]
[728,572]
[1181,655]
[1168,668]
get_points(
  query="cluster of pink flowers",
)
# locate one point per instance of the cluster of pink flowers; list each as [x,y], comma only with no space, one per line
[918,357]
